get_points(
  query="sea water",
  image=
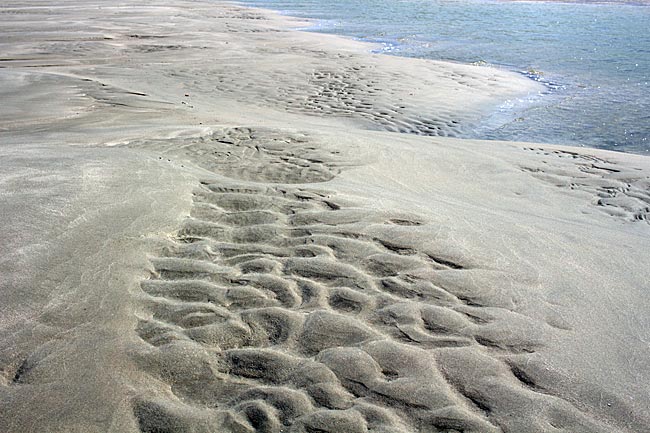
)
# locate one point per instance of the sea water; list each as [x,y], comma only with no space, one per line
[594,58]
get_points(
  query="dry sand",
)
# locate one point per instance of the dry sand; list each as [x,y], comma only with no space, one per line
[210,223]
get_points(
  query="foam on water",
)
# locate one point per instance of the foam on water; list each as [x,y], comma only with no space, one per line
[593,58]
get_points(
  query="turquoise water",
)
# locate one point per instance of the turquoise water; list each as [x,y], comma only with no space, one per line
[593,58]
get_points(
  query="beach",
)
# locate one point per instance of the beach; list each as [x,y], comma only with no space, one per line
[214,222]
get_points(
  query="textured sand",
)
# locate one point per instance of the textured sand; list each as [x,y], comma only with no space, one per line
[211,223]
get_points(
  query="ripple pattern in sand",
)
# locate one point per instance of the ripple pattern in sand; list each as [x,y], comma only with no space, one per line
[381,99]
[274,310]
[616,190]
[256,154]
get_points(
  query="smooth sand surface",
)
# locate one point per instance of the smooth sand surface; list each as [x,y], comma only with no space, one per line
[212,222]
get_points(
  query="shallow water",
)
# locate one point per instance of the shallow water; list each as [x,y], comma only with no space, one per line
[594,58]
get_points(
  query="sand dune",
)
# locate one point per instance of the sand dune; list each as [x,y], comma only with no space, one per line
[212,223]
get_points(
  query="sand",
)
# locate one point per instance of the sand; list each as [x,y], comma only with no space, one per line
[212,222]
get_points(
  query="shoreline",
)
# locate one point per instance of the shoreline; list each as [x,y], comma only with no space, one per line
[579,90]
[213,224]
[538,88]
[524,101]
